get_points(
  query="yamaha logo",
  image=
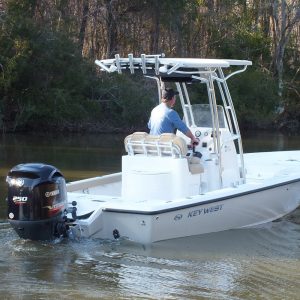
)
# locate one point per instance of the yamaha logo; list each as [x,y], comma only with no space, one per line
[52,193]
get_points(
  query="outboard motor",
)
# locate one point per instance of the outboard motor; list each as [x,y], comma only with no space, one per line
[37,201]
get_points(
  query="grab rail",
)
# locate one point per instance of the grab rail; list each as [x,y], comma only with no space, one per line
[150,145]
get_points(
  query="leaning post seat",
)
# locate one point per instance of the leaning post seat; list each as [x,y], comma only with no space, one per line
[166,144]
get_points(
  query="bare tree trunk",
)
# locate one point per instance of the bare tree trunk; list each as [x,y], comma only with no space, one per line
[284,20]
[111,27]
[85,13]
[155,32]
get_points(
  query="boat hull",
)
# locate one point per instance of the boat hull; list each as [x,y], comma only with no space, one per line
[233,208]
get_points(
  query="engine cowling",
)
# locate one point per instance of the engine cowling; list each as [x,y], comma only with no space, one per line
[37,201]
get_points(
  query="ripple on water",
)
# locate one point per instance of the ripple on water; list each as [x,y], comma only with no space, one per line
[272,279]
[255,263]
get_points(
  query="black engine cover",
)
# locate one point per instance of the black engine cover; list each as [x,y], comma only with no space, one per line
[37,200]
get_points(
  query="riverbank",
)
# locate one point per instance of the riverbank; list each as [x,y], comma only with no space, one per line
[76,127]
[287,126]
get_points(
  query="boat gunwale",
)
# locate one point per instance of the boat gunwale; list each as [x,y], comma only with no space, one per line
[215,200]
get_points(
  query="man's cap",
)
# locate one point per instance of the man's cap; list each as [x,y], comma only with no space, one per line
[168,94]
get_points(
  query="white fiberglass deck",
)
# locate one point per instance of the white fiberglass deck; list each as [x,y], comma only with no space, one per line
[263,170]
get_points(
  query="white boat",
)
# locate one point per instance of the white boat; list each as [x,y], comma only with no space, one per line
[168,190]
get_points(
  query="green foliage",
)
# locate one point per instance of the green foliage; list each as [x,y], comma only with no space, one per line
[126,101]
[255,98]
[241,38]
[45,79]
[45,82]
[245,44]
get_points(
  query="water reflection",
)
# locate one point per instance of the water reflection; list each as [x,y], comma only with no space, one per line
[260,141]
[69,153]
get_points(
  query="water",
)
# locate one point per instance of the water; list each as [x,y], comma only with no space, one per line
[256,263]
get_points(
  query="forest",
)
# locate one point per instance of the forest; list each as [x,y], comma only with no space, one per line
[48,79]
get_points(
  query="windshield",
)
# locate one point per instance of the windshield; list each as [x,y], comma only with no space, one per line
[202,116]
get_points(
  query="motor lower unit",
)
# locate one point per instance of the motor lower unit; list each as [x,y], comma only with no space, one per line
[37,201]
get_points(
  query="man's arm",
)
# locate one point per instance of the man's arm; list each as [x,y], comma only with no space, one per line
[179,124]
[192,137]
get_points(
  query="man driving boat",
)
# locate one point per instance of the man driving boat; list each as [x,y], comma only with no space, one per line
[164,119]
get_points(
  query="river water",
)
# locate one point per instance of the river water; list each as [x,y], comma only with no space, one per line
[256,263]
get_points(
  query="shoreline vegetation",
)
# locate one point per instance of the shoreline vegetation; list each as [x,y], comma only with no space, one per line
[49,82]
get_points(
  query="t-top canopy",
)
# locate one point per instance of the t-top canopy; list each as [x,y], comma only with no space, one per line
[166,66]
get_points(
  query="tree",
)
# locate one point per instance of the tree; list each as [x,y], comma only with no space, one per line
[284,19]
[45,80]
[40,38]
